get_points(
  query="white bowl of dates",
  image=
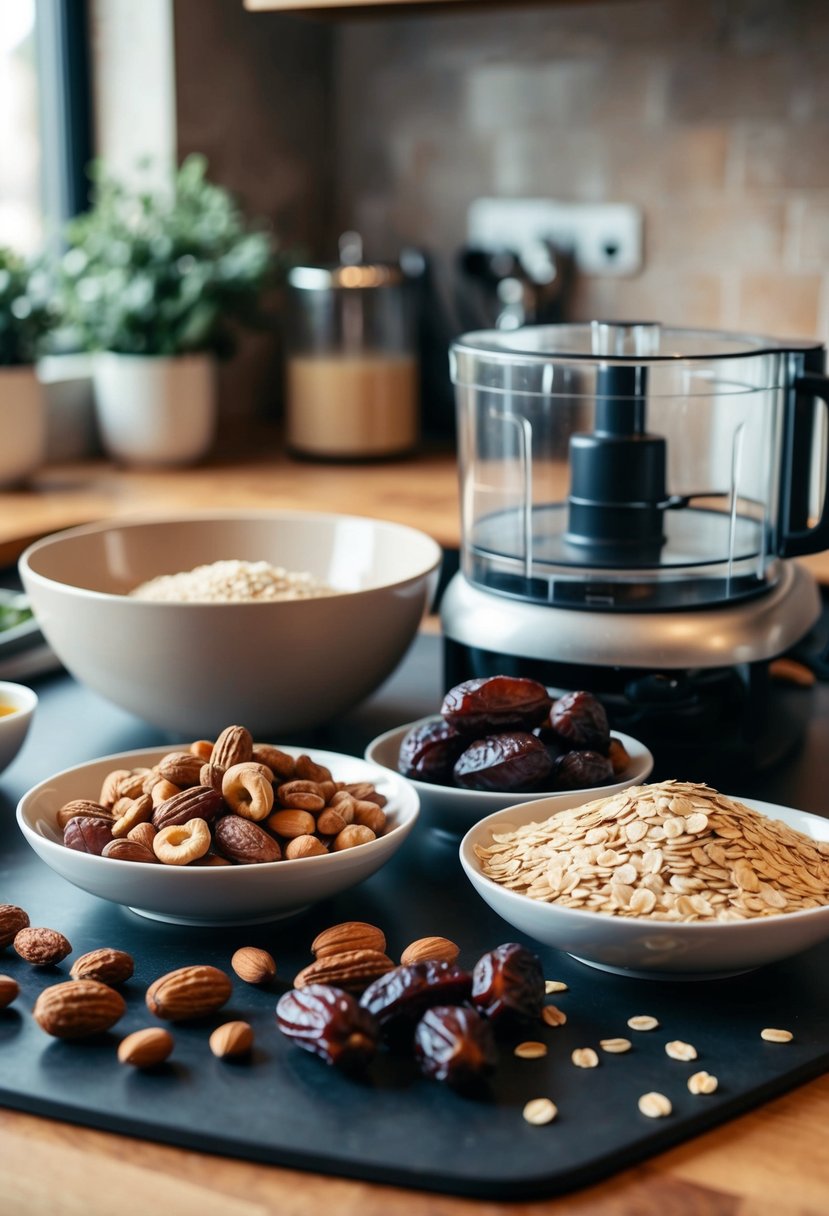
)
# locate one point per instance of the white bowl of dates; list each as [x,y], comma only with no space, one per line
[236,842]
[281,620]
[667,881]
[500,737]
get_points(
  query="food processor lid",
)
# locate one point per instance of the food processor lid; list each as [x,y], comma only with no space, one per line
[351,272]
[623,342]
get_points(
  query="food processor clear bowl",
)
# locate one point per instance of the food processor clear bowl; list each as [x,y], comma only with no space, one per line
[635,467]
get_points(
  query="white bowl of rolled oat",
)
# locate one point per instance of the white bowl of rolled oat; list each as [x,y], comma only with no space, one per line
[670,880]
[281,620]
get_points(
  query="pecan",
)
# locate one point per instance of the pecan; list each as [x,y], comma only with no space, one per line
[211,775]
[233,746]
[12,920]
[85,807]
[41,947]
[351,970]
[301,796]
[132,785]
[106,966]
[182,768]
[78,1008]
[189,992]
[199,802]
[244,842]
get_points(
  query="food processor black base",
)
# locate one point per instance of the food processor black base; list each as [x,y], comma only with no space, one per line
[694,686]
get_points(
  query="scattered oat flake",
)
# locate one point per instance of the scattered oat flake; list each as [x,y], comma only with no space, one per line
[551,986]
[585,1057]
[643,1022]
[531,1050]
[553,1016]
[540,1111]
[615,1046]
[654,1105]
[702,1083]
[776,1036]
[678,1050]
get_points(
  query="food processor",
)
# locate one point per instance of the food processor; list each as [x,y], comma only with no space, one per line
[630,497]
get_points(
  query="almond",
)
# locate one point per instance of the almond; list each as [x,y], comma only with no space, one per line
[105,965]
[369,815]
[291,823]
[203,748]
[12,920]
[350,935]
[189,992]
[426,949]
[352,836]
[9,991]
[41,947]
[131,812]
[233,746]
[329,823]
[111,788]
[307,770]
[279,762]
[304,846]
[231,1039]
[353,970]
[143,833]
[78,1008]
[198,802]
[182,768]
[129,850]
[253,965]
[146,1048]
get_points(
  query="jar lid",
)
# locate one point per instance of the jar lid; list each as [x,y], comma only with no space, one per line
[364,276]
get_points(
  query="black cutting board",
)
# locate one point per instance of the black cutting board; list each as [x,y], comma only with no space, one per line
[288,1108]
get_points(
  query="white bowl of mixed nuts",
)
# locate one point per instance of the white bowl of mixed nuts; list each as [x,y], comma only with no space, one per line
[236,842]
[671,880]
[279,619]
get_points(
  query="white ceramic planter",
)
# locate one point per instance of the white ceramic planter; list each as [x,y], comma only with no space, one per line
[155,410]
[22,424]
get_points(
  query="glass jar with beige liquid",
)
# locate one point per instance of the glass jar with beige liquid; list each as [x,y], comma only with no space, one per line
[352,380]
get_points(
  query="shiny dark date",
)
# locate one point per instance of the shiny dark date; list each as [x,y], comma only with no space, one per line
[580,719]
[400,997]
[508,984]
[455,1045]
[514,760]
[330,1023]
[580,770]
[495,703]
[429,751]
[87,834]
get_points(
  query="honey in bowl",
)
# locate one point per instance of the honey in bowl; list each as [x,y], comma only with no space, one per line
[5,710]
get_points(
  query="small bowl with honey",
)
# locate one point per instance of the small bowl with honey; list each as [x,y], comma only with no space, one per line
[17,707]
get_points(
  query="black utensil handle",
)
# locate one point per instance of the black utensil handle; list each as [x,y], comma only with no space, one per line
[794,540]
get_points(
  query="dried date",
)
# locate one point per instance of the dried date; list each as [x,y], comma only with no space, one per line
[429,751]
[508,984]
[455,1045]
[329,1023]
[580,720]
[88,834]
[244,842]
[514,760]
[400,998]
[581,770]
[484,706]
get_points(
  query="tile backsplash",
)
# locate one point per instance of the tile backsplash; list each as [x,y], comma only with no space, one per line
[713,116]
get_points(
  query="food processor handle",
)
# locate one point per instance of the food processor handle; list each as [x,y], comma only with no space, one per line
[797,541]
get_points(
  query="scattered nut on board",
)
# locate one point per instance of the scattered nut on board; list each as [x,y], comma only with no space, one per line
[530,1050]
[540,1111]
[643,1022]
[253,965]
[615,1046]
[585,1057]
[231,1039]
[553,1016]
[654,1105]
[776,1036]
[146,1048]
[678,1050]
[551,986]
[702,1083]
[10,990]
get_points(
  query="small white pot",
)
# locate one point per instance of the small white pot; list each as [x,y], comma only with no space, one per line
[156,410]
[22,424]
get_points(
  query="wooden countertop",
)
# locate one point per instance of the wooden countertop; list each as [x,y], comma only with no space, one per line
[421,491]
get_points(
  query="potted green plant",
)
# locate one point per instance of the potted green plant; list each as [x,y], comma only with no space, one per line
[152,282]
[24,320]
